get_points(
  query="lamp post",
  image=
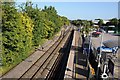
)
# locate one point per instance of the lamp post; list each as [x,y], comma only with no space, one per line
[99,57]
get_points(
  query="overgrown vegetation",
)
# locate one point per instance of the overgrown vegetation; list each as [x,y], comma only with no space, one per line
[84,25]
[25,28]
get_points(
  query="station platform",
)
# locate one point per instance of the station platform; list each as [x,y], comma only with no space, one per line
[77,61]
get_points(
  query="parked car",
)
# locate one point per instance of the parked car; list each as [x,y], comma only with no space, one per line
[96,34]
[107,49]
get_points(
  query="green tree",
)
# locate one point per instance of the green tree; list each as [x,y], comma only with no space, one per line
[37,17]
[24,28]
[118,27]
[10,30]
[16,33]
[28,26]
[114,21]
[100,23]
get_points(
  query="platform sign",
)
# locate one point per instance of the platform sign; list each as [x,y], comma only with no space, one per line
[111,66]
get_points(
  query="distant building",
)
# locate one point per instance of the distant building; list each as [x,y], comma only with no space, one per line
[96,21]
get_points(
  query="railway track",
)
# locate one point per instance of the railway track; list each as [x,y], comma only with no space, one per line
[64,58]
[47,64]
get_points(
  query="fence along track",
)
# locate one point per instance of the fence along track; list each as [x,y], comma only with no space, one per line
[44,63]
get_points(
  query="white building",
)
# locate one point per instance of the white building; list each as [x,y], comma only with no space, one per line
[105,21]
[97,20]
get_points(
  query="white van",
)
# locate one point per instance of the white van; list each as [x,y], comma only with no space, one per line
[111,29]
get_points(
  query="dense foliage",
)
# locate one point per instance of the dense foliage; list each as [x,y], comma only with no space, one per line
[84,25]
[89,24]
[24,28]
